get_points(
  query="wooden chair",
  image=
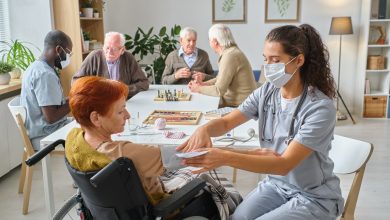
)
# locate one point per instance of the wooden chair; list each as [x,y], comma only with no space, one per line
[19,114]
[350,156]
[148,68]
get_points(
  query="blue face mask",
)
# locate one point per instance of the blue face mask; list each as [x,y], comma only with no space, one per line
[276,74]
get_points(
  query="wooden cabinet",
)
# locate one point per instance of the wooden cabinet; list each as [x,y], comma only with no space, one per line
[373,60]
[66,15]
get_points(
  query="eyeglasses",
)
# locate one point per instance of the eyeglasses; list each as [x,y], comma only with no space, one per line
[113,49]
[66,50]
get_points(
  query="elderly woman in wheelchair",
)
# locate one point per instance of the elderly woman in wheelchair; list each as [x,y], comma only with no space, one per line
[99,106]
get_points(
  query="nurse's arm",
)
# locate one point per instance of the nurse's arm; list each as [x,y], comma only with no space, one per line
[270,164]
[214,128]
[252,151]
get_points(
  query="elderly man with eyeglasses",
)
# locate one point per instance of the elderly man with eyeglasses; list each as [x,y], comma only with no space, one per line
[42,94]
[113,62]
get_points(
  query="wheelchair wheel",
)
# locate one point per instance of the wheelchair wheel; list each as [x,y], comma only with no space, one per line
[73,208]
[66,209]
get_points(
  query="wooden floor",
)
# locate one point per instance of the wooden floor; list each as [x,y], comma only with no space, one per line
[373,203]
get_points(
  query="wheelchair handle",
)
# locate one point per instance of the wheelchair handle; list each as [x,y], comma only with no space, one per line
[43,152]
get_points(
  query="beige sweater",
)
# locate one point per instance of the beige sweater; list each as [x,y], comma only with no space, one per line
[235,79]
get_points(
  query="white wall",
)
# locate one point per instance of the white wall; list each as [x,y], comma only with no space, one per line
[30,21]
[126,15]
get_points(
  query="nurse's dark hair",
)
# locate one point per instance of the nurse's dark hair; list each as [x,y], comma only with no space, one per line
[305,40]
[57,38]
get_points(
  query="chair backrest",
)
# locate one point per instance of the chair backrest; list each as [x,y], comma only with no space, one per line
[350,156]
[114,192]
[19,114]
[15,108]
[147,67]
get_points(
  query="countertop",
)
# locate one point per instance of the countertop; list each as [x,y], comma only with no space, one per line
[12,89]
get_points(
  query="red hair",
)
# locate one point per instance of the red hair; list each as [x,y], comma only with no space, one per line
[92,93]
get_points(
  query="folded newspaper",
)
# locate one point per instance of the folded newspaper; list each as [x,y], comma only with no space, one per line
[218,113]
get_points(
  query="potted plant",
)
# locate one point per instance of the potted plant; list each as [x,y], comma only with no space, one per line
[18,55]
[87,9]
[5,68]
[95,13]
[159,45]
[87,38]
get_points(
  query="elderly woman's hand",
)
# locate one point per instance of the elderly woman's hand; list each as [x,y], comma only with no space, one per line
[198,76]
[194,86]
[214,158]
[200,139]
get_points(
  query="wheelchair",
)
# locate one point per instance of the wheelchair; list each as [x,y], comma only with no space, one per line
[116,192]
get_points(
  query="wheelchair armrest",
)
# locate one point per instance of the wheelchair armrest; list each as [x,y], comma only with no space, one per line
[179,197]
[43,152]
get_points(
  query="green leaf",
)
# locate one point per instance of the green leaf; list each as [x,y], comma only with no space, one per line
[140,30]
[127,37]
[137,36]
[177,29]
[150,31]
[136,50]
[162,32]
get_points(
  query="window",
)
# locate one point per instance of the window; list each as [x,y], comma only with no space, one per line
[4,23]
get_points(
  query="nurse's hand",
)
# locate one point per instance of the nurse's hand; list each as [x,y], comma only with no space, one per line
[214,158]
[199,139]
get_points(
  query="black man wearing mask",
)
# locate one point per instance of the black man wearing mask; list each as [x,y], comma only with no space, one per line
[42,94]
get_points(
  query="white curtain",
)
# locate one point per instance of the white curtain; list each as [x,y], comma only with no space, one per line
[4,24]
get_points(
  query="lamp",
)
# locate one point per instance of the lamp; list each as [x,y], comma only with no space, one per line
[341,26]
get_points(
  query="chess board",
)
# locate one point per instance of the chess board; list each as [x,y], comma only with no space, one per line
[172,95]
[174,117]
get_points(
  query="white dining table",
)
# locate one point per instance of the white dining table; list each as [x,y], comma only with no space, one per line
[139,107]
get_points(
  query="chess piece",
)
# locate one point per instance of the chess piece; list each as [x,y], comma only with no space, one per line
[160,123]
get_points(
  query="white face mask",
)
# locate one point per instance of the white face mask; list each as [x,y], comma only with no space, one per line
[66,62]
[276,74]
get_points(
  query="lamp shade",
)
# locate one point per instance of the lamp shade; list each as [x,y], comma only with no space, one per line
[341,26]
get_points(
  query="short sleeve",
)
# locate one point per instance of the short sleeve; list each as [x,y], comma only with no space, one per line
[250,106]
[316,130]
[47,89]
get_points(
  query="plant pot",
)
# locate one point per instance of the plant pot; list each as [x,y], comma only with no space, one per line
[86,46]
[96,14]
[16,73]
[88,12]
[5,78]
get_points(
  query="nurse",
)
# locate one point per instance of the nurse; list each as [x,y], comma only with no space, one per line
[296,119]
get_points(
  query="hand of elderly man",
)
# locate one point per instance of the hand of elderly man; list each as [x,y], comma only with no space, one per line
[183,73]
[198,76]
